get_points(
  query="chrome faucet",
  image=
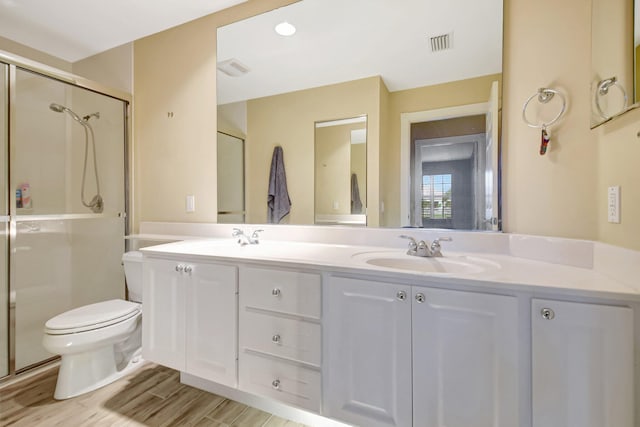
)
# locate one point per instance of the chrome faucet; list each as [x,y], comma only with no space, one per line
[243,239]
[423,248]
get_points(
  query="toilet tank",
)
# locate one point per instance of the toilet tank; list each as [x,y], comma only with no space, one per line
[132,262]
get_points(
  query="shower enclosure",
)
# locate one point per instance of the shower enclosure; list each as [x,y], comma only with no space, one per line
[62,194]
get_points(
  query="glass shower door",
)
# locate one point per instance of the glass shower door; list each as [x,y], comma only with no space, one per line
[230,179]
[67,200]
[4,220]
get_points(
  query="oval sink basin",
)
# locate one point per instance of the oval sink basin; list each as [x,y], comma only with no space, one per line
[441,265]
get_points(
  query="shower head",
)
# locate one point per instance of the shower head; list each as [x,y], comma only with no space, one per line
[62,109]
[57,108]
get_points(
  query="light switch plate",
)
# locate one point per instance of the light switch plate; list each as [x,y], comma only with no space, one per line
[613,204]
[191,203]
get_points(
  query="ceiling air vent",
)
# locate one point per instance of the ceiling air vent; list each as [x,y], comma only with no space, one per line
[232,67]
[440,43]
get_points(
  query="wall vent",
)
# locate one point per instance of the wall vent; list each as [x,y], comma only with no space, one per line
[232,67]
[441,42]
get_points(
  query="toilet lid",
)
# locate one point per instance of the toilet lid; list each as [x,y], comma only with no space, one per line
[92,316]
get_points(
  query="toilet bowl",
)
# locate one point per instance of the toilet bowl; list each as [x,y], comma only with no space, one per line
[101,342]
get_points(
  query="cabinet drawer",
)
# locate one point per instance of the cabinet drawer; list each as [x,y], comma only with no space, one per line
[282,381]
[289,338]
[282,291]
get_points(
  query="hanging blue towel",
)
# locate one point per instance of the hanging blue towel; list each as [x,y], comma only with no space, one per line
[278,201]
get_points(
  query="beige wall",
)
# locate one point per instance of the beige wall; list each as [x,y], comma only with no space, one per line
[565,192]
[34,54]
[175,117]
[289,120]
[112,68]
[554,194]
[618,156]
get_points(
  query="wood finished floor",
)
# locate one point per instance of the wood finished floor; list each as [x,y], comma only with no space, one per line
[151,396]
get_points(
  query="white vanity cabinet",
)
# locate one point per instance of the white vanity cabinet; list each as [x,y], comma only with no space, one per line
[190,312]
[399,356]
[583,365]
[465,359]
[367,353]
[280,335]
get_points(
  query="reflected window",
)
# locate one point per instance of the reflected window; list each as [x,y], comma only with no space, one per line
[436,197]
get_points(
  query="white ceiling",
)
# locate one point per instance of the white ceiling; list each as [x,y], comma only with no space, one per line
[336,41]
[340,40]
[75,29]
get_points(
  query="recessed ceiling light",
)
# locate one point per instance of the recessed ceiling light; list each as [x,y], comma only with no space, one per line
[285,29]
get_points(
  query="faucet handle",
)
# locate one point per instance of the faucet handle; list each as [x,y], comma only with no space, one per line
[255,236]
[413,245]
[435,245]
[237,232]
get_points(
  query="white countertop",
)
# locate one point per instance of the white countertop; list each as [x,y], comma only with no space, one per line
[499,270]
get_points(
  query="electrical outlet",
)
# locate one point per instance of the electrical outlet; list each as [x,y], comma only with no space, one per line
[613,204]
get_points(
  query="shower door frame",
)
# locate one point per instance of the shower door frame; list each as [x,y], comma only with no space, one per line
[10,221]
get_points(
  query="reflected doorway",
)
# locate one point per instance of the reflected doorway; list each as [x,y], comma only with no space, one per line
[448,160]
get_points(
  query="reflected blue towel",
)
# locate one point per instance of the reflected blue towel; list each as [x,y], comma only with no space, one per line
[356,203]
[278,201]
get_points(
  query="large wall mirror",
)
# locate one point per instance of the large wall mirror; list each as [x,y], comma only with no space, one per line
[614,59]
[345,59]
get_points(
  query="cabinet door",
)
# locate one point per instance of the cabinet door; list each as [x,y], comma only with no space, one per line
[582,365]
[465,359]
[367,353]
[211,338]
[163,324]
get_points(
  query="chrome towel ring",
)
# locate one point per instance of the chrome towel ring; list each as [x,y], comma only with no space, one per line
[603,89]
[544,95]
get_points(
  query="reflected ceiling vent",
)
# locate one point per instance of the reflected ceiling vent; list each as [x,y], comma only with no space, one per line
[441,42]
[232,67]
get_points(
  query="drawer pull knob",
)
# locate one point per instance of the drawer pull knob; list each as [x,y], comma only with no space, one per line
[420,297]
[188,269]
[547,313]
[276,339]
[275,384]
[401,295]
[275,292]
[179,268]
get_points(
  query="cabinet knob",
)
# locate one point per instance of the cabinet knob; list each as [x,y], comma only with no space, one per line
[401,295]
[179,268]
[275,292]
[276,339]
[275,384]
[420,297]
[547,313]
[188,269]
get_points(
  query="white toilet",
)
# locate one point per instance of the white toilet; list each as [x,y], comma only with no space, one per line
[101,342]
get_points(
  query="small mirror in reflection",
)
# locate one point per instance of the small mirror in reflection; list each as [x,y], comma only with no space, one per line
[341,171]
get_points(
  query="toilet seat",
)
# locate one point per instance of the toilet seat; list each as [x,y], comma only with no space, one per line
[93,316]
